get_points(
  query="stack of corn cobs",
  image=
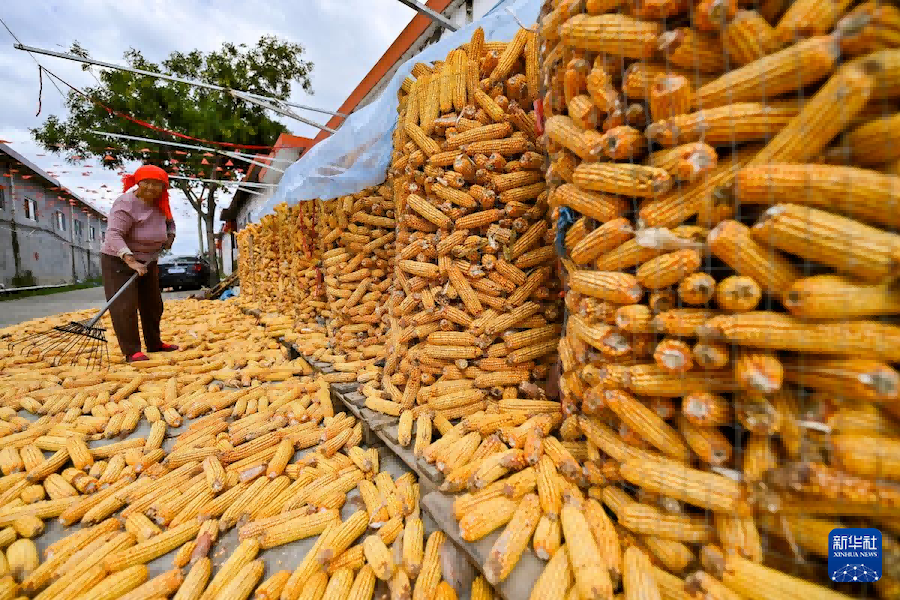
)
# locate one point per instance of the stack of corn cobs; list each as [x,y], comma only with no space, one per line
[279,270]
[357,244]
[725,180]
[475,305]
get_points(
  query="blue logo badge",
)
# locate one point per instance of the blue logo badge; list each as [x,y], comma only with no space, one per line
[854,554]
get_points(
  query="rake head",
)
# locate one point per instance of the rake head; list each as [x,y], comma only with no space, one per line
[75,343]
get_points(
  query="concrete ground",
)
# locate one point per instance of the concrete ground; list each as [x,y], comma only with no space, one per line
[35,307]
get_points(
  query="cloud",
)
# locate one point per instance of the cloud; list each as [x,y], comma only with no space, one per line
[343,39]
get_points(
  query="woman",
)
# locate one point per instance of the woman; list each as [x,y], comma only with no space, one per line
[139,226]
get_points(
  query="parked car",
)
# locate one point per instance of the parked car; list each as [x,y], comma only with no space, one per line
[183,272]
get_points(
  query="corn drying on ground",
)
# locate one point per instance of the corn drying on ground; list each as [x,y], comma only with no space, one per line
[217,472]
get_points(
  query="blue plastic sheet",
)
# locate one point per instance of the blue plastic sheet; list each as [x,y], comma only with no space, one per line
[358,155]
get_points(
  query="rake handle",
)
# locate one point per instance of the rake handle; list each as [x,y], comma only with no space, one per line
[109,302]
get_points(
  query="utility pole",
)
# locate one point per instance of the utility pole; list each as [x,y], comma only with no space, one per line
[72,239]
[14,234]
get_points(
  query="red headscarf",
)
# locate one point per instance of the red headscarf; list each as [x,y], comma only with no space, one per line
[151,172]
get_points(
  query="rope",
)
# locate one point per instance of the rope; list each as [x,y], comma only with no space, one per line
[40,88]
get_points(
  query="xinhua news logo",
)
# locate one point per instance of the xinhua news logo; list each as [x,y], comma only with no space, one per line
[854,555]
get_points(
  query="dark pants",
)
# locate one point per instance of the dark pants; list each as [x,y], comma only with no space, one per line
[143,295]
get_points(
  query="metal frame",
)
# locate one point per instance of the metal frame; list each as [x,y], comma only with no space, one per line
[431,14]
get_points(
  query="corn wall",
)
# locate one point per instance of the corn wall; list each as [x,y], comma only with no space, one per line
[725,176]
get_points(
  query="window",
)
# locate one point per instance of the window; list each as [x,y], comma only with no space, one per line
[60,220]
[103,236]
[76,228]
[31,210]
[2,199]
[92,233]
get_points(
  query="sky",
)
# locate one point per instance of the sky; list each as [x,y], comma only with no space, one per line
[343,38]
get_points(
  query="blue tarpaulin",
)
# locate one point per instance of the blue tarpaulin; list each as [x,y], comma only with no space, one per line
[358,155]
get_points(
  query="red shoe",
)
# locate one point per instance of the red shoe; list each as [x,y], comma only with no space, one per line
[165,348]
[137,357]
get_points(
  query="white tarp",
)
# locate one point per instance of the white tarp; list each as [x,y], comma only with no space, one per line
[358,155]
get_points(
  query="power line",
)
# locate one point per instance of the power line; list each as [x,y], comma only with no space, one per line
[227,153]
[40,66]
[266,102]
[227,182]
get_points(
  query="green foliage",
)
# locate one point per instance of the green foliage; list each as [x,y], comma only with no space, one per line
[23,279]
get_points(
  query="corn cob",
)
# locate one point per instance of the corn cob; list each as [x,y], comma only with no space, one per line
[668,269]
[731,123]
[611,34]
[687,162]
[646,424]
[874,142]
[855,192]
[555,579]
[807,18]
[831,240]
[826,114]
[591,575]
[430,576]
[195,581]
[755,581]
[749,37]
[806,62]
[509,546]
[692,50]
[627,180]
[781,332]
[639,580]
[732,243]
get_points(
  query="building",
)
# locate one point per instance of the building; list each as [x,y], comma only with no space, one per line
[419,33]
[48,235]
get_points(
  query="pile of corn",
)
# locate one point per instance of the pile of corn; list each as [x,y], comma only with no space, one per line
[475,301]
[357,248]
[279,263]
[725,181]
[214,458]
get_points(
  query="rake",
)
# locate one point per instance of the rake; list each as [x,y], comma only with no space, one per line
[72,341]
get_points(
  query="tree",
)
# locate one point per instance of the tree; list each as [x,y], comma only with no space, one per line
[267,69]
